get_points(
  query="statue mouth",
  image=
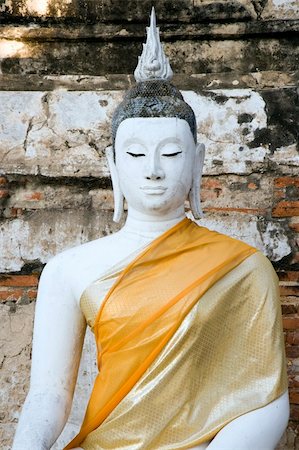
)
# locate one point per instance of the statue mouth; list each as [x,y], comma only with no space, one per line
[154,190]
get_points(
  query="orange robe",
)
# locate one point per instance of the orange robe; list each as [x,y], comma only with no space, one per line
[143,314]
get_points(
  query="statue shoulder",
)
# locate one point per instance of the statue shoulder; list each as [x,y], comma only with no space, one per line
[260,279]
[70,262]
[261,266]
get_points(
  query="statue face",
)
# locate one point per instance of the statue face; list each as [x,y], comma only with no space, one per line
[154,160]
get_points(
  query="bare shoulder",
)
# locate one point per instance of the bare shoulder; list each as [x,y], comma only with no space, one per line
[73,269]
[80,254]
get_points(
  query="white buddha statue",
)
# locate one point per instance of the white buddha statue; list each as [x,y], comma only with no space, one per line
[165,397]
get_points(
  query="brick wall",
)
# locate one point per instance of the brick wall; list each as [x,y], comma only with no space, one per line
[62,74]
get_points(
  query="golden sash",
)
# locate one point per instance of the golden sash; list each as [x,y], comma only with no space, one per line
[146,306]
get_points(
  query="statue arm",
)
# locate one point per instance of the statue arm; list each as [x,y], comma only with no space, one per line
[59,330]
[260,429]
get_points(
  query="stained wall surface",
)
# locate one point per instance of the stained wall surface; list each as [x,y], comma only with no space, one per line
[64,67]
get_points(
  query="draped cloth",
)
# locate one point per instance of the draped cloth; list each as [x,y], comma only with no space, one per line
[188,337]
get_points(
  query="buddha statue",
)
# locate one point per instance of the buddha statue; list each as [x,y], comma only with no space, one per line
[186,320]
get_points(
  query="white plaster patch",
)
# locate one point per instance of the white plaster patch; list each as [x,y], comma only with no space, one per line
[275,241]
[226,137]
[14,49]
[272,240]
[7,5]
[44,234]
[65,133]
[281,9]
[56,134]
[286,155]
[39,7]
[17,111]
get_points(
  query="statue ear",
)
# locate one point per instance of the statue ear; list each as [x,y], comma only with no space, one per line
[194,194]
[117,193]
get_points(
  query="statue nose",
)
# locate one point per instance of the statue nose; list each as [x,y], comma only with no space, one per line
[154,171]
[154,176]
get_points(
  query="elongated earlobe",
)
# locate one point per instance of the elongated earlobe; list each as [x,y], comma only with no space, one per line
[117,193]
[194,194]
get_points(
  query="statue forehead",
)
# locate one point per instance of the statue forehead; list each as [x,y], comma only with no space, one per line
[154,127]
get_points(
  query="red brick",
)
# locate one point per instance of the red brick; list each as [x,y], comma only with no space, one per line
[4,193]
[286,290]
[295,259]
[11,294]
[3,180]
[295,412]
[252,186]
[294,381]
[18,280]
[257,211]
[31,294]
[292,351]
[286,209]
[15,212]
[289,309]
[294,396]
[292,337]
[290,323]
[290,275]
[34,196]
[286,181]
[294,226]
[211,183]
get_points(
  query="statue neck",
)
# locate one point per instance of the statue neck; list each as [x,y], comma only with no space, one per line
[148,226]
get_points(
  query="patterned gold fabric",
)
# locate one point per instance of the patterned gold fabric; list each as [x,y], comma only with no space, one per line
[225,359]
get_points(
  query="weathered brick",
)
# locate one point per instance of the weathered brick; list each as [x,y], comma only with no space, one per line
[11,294]
[3,180]
[295,258]
[288,276]
[294,396]
[294,224]
[4,193]
[292,337]
[295,412]
[292,351]
[289,309]
[34,196]
[18,280]
[289,290]
[254,211]
[290,323]
[283,182]
[286,209]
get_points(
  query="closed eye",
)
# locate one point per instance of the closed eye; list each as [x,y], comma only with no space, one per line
[136,155]
[169,155]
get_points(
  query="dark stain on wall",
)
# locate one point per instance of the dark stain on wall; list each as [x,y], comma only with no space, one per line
[282,107]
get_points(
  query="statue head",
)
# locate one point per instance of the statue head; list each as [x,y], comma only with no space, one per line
[155,161]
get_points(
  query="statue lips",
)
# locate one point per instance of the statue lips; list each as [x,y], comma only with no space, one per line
[154,190]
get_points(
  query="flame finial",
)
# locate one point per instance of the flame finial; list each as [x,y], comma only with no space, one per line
[153,64]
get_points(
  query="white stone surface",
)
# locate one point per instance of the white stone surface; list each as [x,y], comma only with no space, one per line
[65,133]
[44,234]
[227,148]
[267,236]
[281,9]
[55,134]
